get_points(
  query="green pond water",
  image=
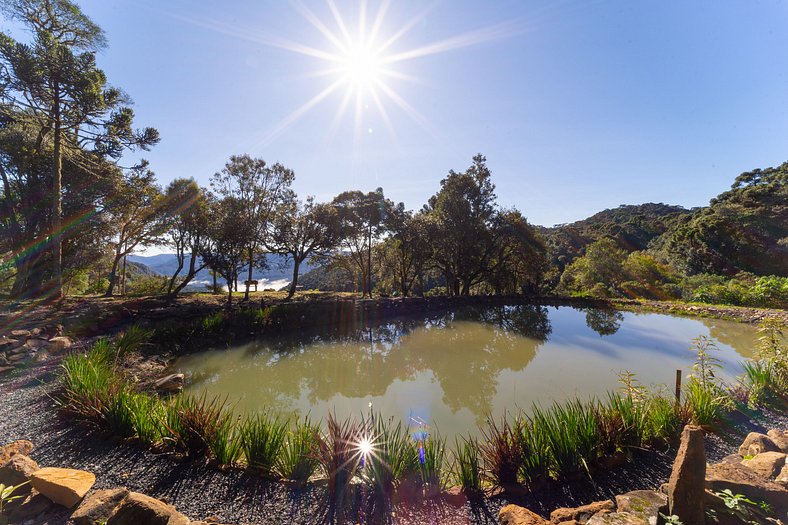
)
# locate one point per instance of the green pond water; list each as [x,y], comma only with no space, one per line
[452,369]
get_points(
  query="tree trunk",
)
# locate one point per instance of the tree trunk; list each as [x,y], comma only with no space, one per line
[123,277]
[215,286]
[251,260]
[57,205]
[113,274]
[189,276]
[294,283]
[171,284]
[229,292]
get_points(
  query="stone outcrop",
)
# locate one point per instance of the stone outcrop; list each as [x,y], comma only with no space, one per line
[98,506]
[58,344]
[742,480]
[517,515]
[64,486]
[642,503]
[617,518]
[766,464]
[583,513]
[779,438]
[756,443]
[18,470]
[169,384]
[686,486]
[138,508]
[21,446]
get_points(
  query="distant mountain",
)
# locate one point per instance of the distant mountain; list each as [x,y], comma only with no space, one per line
[278,273]
[633,227]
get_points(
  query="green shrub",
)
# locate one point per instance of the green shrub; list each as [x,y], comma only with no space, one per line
[432,462]
[467,466]
[393,456]
[194,423]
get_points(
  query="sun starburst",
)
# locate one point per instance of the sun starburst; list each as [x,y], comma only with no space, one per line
[359,59]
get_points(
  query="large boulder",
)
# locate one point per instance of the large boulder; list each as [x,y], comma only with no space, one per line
[742,480]
[138,508]
[58,344]
[617,518]
[643,503]
[517,515]
[686,486]
[582,513]
[98,506]
[756,443]
[18,470]
[21,446]
[766,464]
[169,384]
[779,438]
[64,486]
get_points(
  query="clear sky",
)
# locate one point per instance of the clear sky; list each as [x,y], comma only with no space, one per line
[578,105]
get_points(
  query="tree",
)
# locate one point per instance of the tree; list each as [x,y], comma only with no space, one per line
[361,220]
[598,272]
[226,241]
[519,257]
[187,231]
[405,253]
[141,214]
[303,230]
[462,212]
[259,191]
[55,81]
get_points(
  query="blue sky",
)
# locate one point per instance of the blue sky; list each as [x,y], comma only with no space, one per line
[578,105]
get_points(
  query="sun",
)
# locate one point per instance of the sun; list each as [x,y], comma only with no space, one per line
[361,66]
[364,59]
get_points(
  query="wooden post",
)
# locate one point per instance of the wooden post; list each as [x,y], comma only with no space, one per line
[678,388]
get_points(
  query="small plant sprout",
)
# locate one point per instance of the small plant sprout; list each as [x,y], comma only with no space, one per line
[7,495]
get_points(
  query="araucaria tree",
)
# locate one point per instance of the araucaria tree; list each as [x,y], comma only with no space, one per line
[303,230]
[258,191]
[53,84]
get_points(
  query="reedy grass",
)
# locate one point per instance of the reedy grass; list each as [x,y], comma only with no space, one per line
[432,462]
[393,456]
[536,457]
[570,430]
[467,465]
[298,458]
[501,452]
[338,455]
[195,423]
[263,438]
[227,444]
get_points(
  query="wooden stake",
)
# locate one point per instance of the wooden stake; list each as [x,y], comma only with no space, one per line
[678,387]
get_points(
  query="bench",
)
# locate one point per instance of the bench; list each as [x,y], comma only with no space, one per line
[251,283]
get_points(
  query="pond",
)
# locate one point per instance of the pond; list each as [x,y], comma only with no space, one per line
[451,369]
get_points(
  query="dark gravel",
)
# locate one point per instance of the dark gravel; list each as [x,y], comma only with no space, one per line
[201,491]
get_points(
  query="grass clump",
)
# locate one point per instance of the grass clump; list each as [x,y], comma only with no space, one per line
[197,425]
[502,453]
[298,458]
[338,456]
[432,462]
[467,466]
[392,455]
[263,438]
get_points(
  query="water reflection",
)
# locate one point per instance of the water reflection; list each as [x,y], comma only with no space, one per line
[458,366]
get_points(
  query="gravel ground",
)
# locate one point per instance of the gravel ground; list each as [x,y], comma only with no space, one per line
[200,491]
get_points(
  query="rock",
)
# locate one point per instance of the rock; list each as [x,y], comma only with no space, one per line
[517,515]
[742,480]
[644,503]
[16,358]
[581,513]
[20,333]
[64,486]
[35,343]
[780,438]
[756,443]
[170,383]
[616,518]
[9,344]
[137,509]
[782,477]
[18,470]
[34,505]
[99,506]
[58,344]
[687,479]
[766,464]
[20,446]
